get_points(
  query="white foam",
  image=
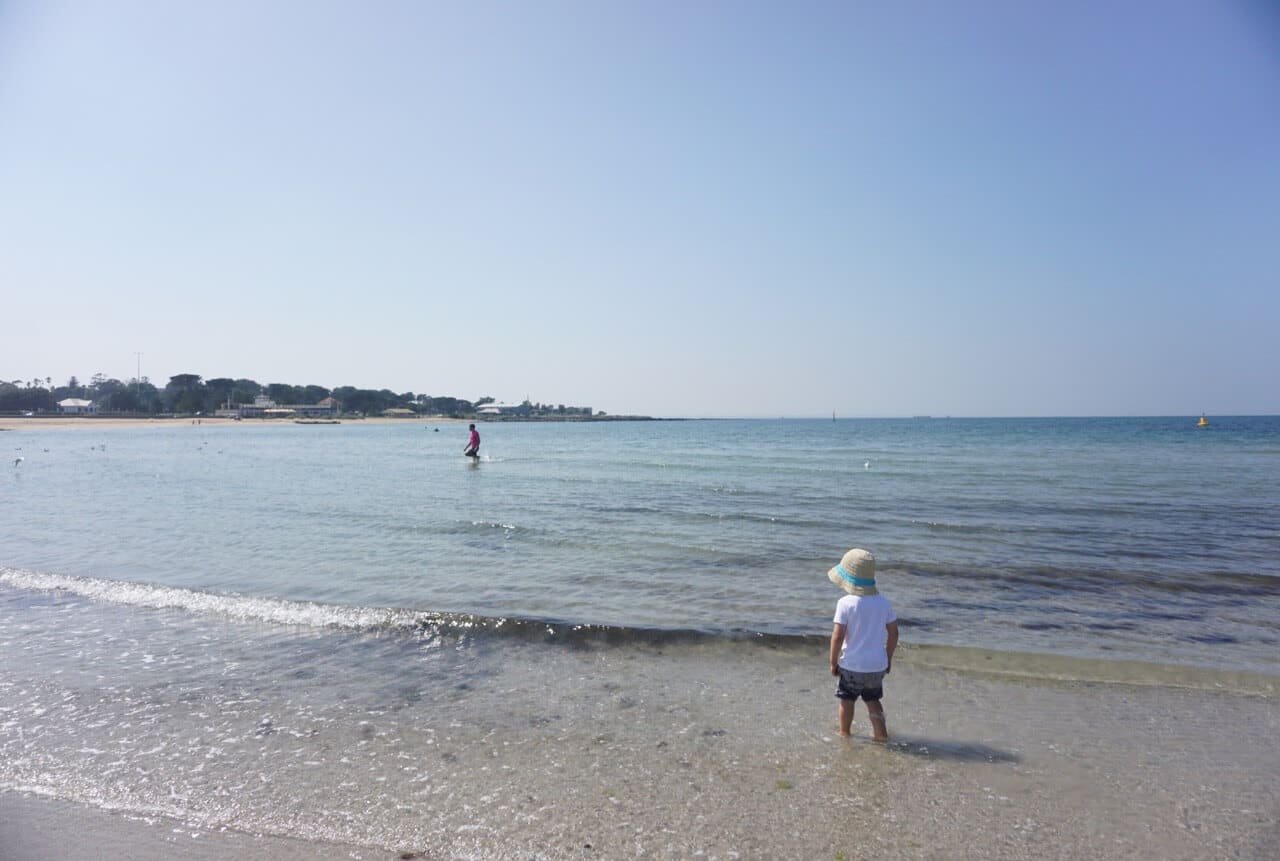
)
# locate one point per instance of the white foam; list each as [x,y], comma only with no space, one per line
[233,606]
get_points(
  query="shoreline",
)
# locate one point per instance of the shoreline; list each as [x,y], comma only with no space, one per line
[13,423]
[680,764]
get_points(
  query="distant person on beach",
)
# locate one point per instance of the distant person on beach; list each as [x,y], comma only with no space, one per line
[862,642]
[473,444]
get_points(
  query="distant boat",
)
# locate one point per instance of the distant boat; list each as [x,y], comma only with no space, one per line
[1203,423]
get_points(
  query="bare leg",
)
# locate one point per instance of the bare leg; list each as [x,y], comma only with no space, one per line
[879,731]
[846,716]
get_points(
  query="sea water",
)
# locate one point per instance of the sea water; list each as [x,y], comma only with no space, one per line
[1144,539]
[277,627]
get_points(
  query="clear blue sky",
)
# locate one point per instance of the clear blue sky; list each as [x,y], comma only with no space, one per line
[669,208]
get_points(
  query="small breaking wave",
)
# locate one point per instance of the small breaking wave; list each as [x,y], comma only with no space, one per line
[421,624]
[231,606]
[436,627]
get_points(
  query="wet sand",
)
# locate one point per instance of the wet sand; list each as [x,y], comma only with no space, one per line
[35,827]
[642,755]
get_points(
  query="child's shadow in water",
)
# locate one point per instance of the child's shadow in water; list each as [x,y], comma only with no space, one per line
[954,750]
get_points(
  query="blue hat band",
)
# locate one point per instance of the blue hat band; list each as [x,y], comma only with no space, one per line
[857,581]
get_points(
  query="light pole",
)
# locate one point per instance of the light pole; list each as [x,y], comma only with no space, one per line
[138,384]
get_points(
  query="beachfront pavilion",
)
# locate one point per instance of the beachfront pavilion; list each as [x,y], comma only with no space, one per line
[76,407]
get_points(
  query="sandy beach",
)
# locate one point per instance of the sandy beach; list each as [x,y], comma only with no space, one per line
[687,764]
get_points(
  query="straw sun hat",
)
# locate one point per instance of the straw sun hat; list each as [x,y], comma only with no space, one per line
[856,573]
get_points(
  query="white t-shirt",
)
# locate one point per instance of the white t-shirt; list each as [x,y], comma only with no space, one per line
[864,618]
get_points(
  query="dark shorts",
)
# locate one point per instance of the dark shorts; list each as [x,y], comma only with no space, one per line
[472,452]
[869,686]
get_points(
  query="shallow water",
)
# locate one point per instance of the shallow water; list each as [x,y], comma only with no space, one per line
[489,746]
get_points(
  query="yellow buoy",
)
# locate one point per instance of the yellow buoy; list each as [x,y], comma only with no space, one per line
[1203,423]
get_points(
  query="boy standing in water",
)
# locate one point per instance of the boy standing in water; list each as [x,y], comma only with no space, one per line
[862,642]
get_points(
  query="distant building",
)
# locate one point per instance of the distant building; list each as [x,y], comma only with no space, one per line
[265,408]
[77,407]
[527,409]
[399,413]
[496,409]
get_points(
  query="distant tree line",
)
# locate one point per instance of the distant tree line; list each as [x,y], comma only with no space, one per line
[189,394]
